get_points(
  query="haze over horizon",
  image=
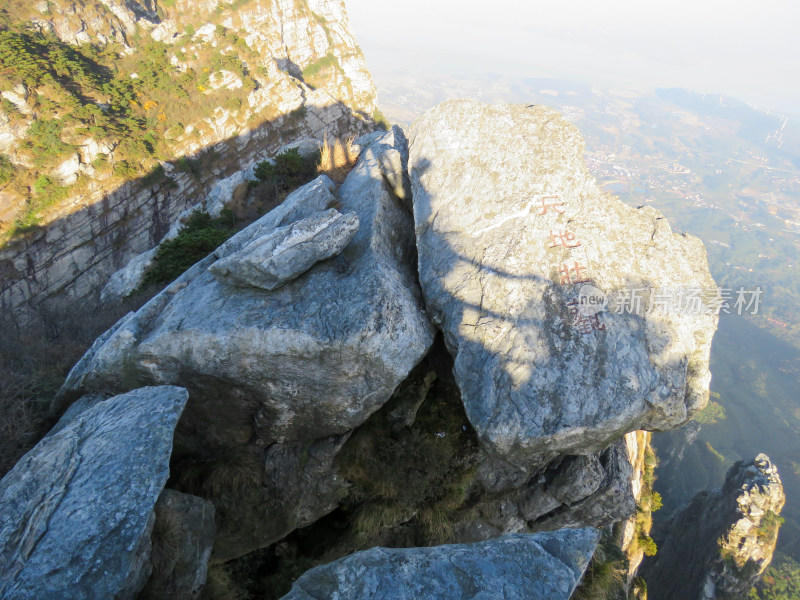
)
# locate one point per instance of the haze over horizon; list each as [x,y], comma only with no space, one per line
[750,51]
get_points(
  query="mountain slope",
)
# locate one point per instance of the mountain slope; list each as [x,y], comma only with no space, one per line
[117,116]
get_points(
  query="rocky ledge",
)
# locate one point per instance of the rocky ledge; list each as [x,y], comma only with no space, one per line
[721,542]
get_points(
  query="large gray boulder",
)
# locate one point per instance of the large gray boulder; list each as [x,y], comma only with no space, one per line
[510,226]
[76,511]
[310,359]
[543,566]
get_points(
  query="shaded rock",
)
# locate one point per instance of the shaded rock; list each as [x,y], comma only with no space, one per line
[262,495]
[721,542]
[541,566]
[128,279]
[502,199]
[395,173]
[76,511]
[311,359]
[181,546]
[290,251]
[595,490]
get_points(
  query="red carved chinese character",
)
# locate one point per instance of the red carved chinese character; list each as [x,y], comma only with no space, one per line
[585,324]
[556,205]
[563,238]
[572,274]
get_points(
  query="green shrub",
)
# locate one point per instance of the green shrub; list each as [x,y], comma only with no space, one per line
[201,235]
[647,544]
[713,413]
[380,120]
[289,170]
[126,170]
[781,580]
[157,175]
[188,165]
[769,526]
[44,141]
[319,65]
[656,502]
[6,169]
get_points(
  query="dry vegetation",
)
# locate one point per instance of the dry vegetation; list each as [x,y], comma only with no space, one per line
[337,158]
[34,359]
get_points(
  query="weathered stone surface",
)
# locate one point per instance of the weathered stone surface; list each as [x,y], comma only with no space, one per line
[286,369]
[311,359]
[494,187]
[128,278]
[394,167]
[288,252]
[721,542]
[283,488]
[594,490]
[76,511]
[544,566]
[181,546]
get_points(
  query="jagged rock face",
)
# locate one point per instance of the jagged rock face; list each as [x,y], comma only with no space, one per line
[76,512]
[295,368]
[509,226]
[104,224]
[290,251]
[183,534]
[637,445]
[572,491]
[530,567]
[721,542]
[126,280]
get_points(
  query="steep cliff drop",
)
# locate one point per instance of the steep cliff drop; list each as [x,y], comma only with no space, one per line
[104,146]
[720,543]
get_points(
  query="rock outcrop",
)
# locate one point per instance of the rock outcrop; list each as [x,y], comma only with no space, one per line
[720,543]
[516,245]
[293,369]
[306,79]
[321,405]
[545,566]
[290,251]
[76,512]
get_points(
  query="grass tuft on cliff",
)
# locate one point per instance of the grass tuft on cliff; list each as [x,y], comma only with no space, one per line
[606,575]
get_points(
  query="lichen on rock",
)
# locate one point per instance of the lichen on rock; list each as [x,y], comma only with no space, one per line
[510,227]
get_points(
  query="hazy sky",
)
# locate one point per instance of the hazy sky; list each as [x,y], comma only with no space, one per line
[750,50]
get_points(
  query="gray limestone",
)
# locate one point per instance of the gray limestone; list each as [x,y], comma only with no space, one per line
[77,510]
[510,226]
[288,252]
[544,566]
